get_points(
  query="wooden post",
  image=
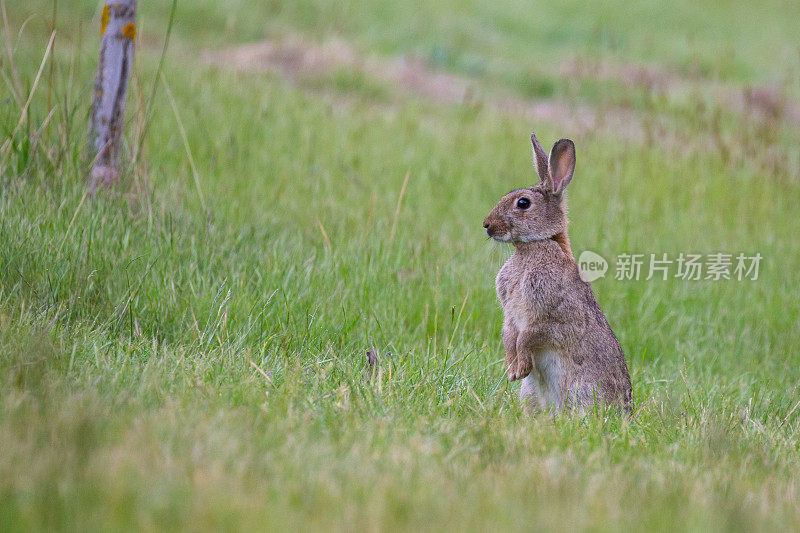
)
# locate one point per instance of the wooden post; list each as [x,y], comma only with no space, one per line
[107,119]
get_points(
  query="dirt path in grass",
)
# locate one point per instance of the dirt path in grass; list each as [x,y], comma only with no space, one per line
[755,102]
[298,60]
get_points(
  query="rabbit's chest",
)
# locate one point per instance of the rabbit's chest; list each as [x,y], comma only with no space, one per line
[510,292]
[522,295]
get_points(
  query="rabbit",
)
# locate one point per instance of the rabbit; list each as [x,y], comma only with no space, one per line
[556,338]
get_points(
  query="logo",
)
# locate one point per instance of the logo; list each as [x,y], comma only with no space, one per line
[592,266]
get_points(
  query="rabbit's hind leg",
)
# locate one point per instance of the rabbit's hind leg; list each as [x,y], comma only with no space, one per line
[585,398]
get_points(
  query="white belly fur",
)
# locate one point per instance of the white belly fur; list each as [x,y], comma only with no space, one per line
[549,370]
[544,385]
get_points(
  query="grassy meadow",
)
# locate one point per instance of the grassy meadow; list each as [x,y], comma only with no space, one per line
[187,349]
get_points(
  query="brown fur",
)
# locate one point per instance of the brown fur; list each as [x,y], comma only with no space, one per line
[555,335]
[563,241]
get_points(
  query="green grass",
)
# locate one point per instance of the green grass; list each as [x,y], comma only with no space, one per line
[166,366]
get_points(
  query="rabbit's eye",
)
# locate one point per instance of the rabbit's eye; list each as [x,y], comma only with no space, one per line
[523,203]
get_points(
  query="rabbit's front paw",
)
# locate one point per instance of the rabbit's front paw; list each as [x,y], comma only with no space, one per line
[512,372]
[519,369]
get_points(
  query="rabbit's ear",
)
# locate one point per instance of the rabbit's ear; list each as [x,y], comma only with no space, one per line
[562,164]
[540,160]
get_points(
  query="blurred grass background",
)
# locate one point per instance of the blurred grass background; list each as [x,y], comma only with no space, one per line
[188,355]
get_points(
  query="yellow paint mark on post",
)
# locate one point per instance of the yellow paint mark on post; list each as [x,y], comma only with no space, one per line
[129,30]
[104,18]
